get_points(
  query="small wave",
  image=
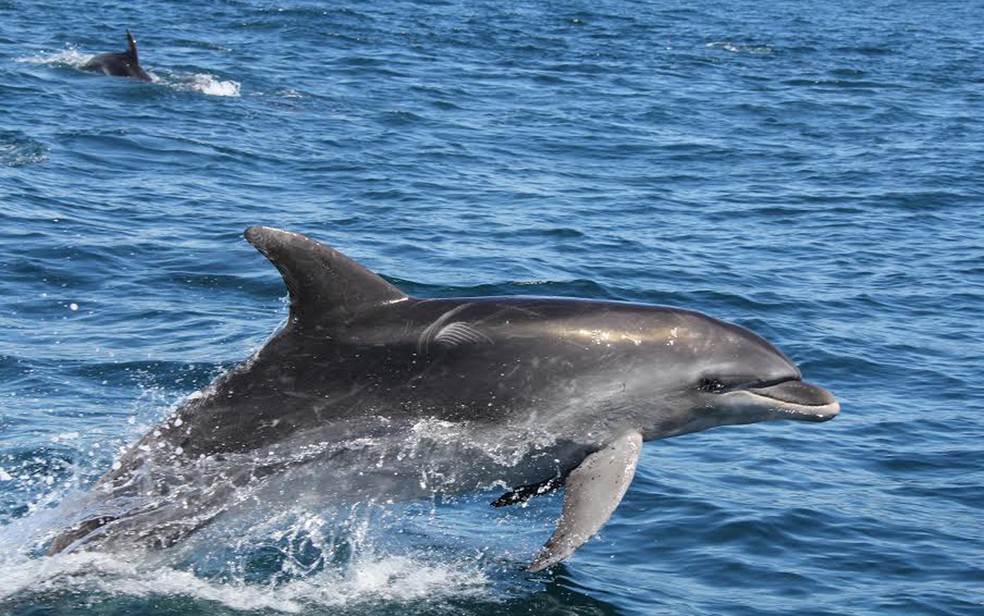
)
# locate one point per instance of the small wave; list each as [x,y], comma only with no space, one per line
[755,50]
[17,150]
[290,93]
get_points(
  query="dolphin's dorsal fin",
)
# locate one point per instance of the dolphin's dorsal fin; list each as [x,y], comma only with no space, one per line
[594,490]
[132,47]
[323,283]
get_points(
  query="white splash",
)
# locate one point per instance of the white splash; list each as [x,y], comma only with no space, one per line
[366,578]
[212,86]
[70,56]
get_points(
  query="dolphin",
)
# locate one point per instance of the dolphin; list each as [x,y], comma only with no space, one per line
[121,64]
[368,393]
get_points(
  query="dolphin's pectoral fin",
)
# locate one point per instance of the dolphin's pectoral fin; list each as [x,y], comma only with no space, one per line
[321,281]
[525,493]
[594,490]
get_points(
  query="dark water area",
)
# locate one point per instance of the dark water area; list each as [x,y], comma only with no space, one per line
[812,171]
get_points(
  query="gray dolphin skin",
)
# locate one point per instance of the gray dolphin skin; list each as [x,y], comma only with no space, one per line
[366,393]
[121,64]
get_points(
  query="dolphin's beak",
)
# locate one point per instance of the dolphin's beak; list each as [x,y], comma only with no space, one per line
[800,400]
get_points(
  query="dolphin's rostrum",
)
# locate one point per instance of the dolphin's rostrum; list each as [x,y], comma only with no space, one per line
[369,393]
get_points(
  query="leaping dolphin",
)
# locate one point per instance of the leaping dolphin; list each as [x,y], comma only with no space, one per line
[369,393]
[121,64]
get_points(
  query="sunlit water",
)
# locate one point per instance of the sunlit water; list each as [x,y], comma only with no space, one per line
[811,171]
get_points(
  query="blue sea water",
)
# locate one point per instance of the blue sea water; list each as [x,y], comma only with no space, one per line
[811,170]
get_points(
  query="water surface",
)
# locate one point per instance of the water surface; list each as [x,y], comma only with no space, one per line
[809,170]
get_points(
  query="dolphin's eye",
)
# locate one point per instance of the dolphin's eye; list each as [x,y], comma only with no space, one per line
[710,385]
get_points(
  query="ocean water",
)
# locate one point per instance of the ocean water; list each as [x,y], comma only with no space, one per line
[811,170]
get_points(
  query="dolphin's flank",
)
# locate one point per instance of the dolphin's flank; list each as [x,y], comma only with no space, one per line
[369,394]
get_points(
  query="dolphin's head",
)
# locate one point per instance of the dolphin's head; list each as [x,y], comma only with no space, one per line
[723,374]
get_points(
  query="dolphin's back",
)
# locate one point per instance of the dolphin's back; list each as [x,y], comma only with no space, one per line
[119,64]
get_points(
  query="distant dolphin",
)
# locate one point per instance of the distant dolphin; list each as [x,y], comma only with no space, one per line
[367,393]
[122,64]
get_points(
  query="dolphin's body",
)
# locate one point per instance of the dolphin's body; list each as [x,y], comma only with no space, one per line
[121,64]
[369,393]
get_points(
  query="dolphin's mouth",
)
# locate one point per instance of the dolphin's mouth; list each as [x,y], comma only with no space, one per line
[798,399]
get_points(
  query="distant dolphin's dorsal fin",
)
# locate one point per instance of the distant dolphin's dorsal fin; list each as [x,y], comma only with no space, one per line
[594,490]
[322,282]
[132,47]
